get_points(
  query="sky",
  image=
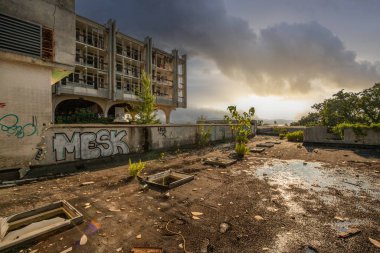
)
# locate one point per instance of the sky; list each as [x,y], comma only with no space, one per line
[280,56]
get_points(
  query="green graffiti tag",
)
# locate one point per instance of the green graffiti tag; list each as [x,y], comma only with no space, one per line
[9,123]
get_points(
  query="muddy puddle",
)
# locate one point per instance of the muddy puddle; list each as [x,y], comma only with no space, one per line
[312,175]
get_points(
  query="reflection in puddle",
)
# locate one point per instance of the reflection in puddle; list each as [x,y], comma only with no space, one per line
[311,175]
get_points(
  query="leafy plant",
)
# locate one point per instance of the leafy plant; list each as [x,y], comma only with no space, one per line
[162,156]
[296,136]
[241,125]
[280,130]
[135,169]
[146,110]
[204,136]
[346,107]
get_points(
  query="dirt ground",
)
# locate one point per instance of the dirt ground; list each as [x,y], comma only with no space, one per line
[290,198]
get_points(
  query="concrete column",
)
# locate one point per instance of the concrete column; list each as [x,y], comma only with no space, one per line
[111,58]
[148,55]
[184,80]
[167,115]
[175,77]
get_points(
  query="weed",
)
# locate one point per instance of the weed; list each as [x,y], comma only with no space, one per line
[135,168]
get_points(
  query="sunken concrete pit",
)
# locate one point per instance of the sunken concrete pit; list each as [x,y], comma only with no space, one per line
[220,162]
[28,226]
[168,179]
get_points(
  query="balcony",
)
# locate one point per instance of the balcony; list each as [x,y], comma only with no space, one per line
[164,100]
[81,89]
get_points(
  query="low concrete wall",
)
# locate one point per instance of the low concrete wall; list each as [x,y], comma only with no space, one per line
[271,130]
[68,143]
[321,135]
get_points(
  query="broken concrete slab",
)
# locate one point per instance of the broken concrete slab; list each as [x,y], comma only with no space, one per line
[221,162]
[265,145]
[28,226]
[168,179]
[274,142]
[257,150]
[350,232]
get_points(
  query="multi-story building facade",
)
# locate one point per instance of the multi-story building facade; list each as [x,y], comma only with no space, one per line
[108,68]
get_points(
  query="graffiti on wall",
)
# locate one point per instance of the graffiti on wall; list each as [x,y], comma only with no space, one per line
[9,123]
[162,131]
[90,145]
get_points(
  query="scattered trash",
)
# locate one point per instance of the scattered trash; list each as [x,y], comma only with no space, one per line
[180,246]
[113,209]
[223,227]
[87,205]
[119,249]
[221,162]
[374,242]
[138,236]
[147,250]
[257,150]
[195,218]
[350,232]
[196,213]
[177,233]
[83,240]
[87,183]
[265,249]
[258,218]
[168,179]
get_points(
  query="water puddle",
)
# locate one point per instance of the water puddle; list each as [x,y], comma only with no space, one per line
[312,175]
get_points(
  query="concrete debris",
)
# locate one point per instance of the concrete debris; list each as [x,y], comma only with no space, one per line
[196,213]
[113,209]
[195,218]
[204,245]
[138,236]
[67,250]
[223,227]
[83,240]
[272,209]
[119,249]
[87,183]
[350,232]
[340,218]
[180,246]
[258,218]
[374,242]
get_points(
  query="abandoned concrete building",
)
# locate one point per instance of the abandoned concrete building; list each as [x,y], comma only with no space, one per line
[108,67]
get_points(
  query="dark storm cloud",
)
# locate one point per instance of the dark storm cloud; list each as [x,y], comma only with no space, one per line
[282,58]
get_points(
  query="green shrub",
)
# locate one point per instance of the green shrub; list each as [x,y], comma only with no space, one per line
[241,149]
[135,168]
[282,136]
[204,136]
[296,136]
[280,130]
[359,129]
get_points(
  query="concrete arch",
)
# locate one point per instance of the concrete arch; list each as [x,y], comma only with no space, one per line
[69,106]
[110,109]
[167,111]
[59,99]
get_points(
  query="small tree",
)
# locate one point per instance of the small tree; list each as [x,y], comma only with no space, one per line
[146,109]
[241,125]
